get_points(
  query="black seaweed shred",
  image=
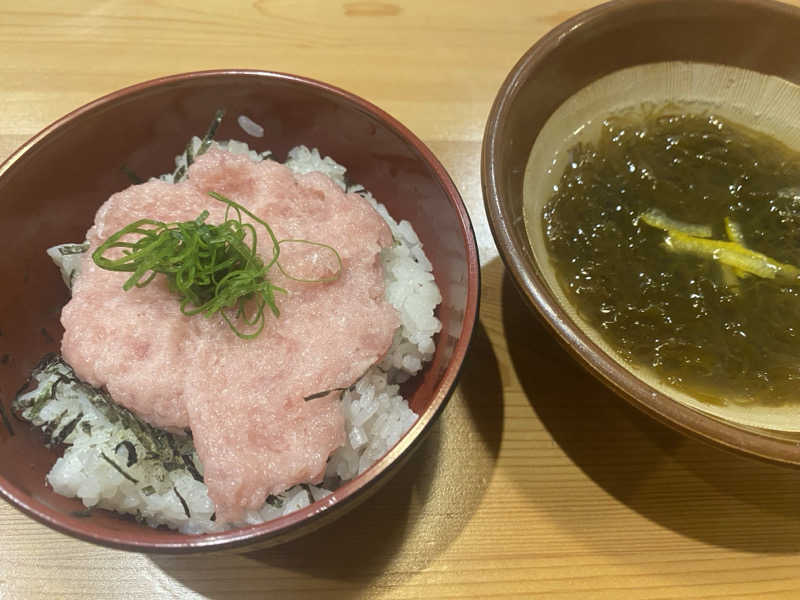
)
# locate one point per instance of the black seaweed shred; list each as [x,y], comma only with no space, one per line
[53,425]
[67,429]
[70,249]
[6,420]
[131,174]
[323,393]
[274,501]
[43,363]
[190,466]
[205,143]
[183,502]
[118,468]
[42,399]
[131,451]
[158,446]
[307,488]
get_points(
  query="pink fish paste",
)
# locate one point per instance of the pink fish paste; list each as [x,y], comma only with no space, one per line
[244,400]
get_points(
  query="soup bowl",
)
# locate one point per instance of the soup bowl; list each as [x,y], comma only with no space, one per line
[738,36]
[51,187]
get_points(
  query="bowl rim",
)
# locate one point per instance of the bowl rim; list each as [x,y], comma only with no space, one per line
[530,282]
[281,529]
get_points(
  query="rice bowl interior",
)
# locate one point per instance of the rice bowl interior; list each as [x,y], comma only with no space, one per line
[108,464]
[382,155]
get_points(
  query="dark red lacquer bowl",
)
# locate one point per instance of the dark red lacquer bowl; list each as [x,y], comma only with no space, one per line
[51,187]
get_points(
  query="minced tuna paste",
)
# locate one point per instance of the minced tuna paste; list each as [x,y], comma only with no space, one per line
[245,401]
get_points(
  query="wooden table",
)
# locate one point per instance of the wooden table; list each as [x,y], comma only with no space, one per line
[537,482]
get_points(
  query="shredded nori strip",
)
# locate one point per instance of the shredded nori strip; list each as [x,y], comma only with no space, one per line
[205,143]
[131,450]
[212,129]
[69,249]
[51,427]
[42,365]
[171,444]
[131,174]
[275,501]
[160,446]
[323,393]
[42,399]
[183,502]
[5,420]
[306,487]
[118,468]
[66,430]
[82,514]
[190,466]
[54,380]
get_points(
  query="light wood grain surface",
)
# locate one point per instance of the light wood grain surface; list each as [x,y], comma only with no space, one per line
[537,482]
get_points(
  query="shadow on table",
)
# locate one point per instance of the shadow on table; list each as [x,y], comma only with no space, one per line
[694,489]
[398,531]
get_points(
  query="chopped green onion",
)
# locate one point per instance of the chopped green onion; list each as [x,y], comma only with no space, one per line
[212,268]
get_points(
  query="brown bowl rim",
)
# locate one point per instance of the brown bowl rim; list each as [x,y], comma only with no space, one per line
[357,489]
[530,281]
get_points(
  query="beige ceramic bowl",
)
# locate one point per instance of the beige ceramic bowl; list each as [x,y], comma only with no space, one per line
[51,187]
[733,37]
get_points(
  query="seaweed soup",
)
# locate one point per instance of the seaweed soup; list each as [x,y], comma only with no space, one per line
[676,235]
